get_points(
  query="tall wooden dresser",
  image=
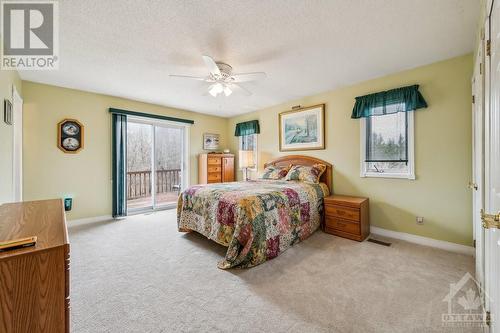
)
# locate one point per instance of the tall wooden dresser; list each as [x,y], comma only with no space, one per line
[215,168]
[34,281]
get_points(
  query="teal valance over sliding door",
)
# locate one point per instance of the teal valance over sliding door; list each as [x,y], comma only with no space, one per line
[247,128]
[402,99]
[119,129]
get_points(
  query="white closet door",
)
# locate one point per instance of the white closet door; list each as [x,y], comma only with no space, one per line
[492,170]
[17,158]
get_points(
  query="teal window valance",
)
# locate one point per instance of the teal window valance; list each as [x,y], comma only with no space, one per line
[402,99]
[149,115]
[247,128]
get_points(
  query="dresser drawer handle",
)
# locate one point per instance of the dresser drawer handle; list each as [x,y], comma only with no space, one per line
[340,212]
[341,224]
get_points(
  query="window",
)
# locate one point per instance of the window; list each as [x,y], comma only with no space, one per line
[249,142]
[387,145]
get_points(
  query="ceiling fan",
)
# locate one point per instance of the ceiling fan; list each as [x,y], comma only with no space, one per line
[222,79]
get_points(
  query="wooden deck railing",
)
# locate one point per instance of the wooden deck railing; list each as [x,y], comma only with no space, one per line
[139,182]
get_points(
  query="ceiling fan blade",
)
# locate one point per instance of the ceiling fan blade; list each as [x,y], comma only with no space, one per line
[240,88]
[189,77]
[212,66]
[247,77]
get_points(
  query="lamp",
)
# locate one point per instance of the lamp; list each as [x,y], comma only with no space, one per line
[246,162]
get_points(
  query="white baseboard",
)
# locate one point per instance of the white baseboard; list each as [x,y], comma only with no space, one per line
[87,220]
[443,245]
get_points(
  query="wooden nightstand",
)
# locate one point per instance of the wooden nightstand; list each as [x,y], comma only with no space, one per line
[347,217]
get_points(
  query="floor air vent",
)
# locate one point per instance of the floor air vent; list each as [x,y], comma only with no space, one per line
[379,242]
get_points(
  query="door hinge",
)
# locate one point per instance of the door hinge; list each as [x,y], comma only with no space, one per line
[474,243]
[481,68]
[473,99]
[490,221]
[488,318]
[488,47]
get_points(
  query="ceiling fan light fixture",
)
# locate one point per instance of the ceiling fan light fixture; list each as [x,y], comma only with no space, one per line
[216,89]
[221,78]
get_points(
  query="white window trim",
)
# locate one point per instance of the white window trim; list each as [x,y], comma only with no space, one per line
[256,152]
[364,173]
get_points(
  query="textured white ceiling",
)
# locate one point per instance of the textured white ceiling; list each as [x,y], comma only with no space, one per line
[127,48]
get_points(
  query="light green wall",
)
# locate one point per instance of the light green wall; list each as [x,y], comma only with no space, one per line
[442,135]
[50,173]
[442,151]
[7,79]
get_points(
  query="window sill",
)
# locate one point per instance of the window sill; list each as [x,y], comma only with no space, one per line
[388,175]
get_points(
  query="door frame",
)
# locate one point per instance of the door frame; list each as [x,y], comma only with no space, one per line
[492,160]
[477,184]
[17,146]
[154,123]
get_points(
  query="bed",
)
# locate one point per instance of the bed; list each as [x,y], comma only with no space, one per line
[256,220]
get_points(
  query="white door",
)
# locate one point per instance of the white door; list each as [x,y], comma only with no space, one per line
[477,184]
[17,158]
[492,168]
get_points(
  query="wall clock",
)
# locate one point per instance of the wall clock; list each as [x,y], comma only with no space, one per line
[70,136]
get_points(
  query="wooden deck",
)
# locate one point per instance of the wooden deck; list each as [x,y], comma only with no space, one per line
[161,199]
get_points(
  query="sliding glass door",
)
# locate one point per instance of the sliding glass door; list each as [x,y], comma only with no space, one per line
[156,156]
[168,164]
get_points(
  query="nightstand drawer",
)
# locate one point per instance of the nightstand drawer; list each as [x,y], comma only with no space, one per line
[343,225]
[342,212]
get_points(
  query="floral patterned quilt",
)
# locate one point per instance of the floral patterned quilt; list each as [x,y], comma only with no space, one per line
[256,220]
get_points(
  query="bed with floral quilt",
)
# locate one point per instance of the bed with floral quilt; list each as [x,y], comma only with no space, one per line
[256,220]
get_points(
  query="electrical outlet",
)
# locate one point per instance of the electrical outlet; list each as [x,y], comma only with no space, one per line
[420,220]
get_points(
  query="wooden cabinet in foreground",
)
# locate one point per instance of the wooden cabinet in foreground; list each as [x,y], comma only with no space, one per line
[215,168]
[34,281]
[347,217]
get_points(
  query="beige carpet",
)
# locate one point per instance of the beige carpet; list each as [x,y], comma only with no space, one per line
[141,275]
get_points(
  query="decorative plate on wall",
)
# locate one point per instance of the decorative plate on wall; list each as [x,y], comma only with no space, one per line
[70,136]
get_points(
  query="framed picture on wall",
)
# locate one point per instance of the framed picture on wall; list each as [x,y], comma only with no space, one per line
[7,112]
[70,136]
[302,129]
[211,141]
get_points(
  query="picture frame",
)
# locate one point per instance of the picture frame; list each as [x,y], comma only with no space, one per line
[211,141]
[7,112]
[302,129]
[70,136]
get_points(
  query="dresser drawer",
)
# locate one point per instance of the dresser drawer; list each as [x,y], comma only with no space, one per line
[214,169]
[214,161]
[342,212]
[214,176]
[343,225]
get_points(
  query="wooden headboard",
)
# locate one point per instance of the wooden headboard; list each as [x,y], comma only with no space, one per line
[326,177]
